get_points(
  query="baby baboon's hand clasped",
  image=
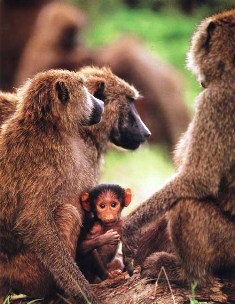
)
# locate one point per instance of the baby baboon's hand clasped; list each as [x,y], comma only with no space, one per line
[111,237]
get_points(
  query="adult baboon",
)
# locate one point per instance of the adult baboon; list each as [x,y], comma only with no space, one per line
[120,125]
[203,237]
[40,169]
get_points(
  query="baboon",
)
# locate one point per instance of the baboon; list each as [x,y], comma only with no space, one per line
[60,48]
[202,235]
[154,238]
[41,167]
[98,253]
[120,125]
[162,109]
[16,21]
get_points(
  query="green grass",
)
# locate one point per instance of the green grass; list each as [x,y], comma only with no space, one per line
[193,298]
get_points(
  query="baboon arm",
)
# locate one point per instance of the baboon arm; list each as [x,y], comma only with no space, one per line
[180,150]
[179,187]
[87,246]
[56,258]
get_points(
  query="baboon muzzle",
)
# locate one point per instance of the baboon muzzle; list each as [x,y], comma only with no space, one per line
[97,111]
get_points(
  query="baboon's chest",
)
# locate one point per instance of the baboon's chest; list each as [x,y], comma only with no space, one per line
[85,164]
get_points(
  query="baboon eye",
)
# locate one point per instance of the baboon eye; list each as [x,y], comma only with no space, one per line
[113,204]
[102,206]
[62,91]
[130,99]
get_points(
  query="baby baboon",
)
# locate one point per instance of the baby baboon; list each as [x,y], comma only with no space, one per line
[99,256]
[204,239]
[40,170]
[120,124]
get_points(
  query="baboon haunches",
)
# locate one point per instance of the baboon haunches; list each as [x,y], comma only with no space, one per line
[203,237]
[120,124]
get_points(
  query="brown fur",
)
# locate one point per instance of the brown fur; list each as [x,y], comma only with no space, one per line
[203,237]
[154,238]
[8,103]
[92,143]
[37,144]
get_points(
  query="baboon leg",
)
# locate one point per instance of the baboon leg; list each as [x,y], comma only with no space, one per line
[154,263]
[25,274]
[203,238]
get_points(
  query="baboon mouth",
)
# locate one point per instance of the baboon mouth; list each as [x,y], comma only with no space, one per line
[126,142]
[109,223]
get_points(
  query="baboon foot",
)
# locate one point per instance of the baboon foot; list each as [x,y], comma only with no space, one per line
[153,265]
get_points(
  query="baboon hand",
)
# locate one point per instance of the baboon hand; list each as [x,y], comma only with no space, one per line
[111,237]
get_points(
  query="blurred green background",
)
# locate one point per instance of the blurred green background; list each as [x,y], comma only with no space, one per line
[165,27]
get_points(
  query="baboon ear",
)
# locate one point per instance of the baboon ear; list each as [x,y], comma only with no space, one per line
[62,91]
[99,92]
[128,197]
[210,29]
[85,202]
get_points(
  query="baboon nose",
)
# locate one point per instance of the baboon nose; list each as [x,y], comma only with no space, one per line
[147,134]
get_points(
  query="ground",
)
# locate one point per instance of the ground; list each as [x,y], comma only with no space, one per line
[137,290]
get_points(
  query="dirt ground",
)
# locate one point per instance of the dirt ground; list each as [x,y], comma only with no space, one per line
[136,290]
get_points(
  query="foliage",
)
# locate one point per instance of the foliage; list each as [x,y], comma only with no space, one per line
[166,34]
[193,298]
